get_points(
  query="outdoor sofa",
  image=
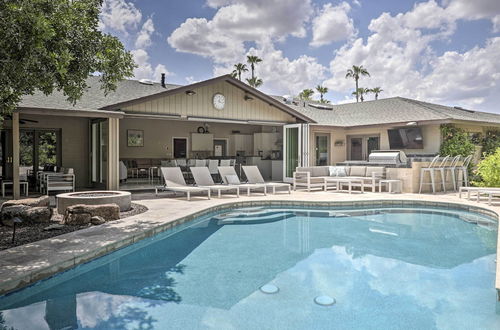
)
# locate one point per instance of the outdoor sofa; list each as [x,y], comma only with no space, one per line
[317,177]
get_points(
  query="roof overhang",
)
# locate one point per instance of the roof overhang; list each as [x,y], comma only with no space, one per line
[226,78]
[88,113]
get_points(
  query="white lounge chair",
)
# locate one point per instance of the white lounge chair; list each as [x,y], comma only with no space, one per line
[174,181]
[203,179]
[229,176]
[253,176]
[478,190]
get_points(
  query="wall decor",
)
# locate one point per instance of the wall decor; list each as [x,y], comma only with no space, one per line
[339,143]
[135,138]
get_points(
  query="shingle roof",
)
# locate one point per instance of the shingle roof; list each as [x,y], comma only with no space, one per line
[94,97]
[387,111]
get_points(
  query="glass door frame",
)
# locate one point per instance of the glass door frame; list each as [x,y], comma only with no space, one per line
[364,145]
[302,148]
[96,161]
[328,147]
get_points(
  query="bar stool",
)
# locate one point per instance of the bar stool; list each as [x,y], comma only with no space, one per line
[431,170]
[464,168]
[442,170]
[453,171]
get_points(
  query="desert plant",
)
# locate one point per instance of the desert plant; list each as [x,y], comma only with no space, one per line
[489,170]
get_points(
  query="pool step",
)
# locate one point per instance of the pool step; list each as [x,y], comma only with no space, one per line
[259,218]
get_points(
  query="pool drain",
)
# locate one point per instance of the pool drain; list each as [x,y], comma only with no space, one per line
[324,300]
[269,289]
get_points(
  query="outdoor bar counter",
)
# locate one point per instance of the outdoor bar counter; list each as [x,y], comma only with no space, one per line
[408,173]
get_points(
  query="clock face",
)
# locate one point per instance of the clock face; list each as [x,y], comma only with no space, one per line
[219,101]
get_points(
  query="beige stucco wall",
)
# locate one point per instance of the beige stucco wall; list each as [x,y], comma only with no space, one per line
[74,141]
[158,135]
[200,105]
[431,134]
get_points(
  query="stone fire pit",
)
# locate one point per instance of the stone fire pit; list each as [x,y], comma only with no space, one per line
[121,198]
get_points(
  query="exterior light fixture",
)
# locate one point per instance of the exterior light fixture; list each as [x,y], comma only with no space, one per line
[190,92]
[248,98]
[411,123]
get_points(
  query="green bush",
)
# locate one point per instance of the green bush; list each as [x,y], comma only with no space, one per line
[455,142]
[491,142]
[489,170]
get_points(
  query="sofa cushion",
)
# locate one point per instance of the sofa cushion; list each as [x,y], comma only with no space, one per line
[339,171]
[357,171]
[378,170]
[320,171]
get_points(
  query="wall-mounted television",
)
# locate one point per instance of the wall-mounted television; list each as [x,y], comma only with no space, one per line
[406,138]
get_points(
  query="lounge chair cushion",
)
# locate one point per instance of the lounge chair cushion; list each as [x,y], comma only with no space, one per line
[338,171]
[358,171]
[232,179]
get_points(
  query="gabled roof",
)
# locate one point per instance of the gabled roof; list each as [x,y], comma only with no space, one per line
[226,78]
[389,111]
[130,92]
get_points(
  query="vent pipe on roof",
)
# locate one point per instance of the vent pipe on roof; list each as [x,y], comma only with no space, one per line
[163,80]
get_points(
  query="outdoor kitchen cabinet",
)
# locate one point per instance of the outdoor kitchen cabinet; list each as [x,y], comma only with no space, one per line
[241,142]
[202,142]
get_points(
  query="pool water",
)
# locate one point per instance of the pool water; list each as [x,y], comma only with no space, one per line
[377,268]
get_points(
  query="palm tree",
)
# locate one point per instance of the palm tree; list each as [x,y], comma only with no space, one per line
[361,92]
[306,94]
[252,60]
[322,91]
[255,82]
[376,91]
[355,72]
[238,69]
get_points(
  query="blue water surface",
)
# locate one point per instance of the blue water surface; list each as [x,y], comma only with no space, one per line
[386,268]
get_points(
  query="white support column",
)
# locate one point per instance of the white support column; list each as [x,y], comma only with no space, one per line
[113,182]
[15,156]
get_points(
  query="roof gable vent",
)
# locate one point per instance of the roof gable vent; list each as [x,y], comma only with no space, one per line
[146,82]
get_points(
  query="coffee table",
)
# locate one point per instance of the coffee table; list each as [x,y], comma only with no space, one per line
[341,182]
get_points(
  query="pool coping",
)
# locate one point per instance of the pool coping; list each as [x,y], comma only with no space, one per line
[24,265]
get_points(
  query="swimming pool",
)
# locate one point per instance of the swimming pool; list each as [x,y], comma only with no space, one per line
[379,268]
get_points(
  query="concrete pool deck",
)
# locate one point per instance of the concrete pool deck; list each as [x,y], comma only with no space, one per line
[23,265]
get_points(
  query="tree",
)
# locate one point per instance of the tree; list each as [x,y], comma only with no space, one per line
[322,91]
[376,91]
[255,82]
[361,92]
[306,94]
[355,72]
[252,60]
[52,45]
[238,69]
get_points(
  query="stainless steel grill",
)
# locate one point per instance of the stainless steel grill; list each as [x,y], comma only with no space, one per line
[393,157]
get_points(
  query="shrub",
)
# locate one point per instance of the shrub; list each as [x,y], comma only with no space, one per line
[491,142]
[489,170]
[455,142]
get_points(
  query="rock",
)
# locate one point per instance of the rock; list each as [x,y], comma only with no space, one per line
[10,212]
[55,226]
[37,214]
[97,220]
[42,201]
[107,211]
[77,219]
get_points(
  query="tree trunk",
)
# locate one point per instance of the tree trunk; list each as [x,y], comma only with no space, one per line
[253,69]
[357,94]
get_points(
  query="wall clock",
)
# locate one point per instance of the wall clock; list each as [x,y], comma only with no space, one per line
[219,101]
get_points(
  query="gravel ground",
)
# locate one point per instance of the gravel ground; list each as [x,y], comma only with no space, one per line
[32,233]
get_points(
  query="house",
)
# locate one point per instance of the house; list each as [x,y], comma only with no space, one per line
[145,122]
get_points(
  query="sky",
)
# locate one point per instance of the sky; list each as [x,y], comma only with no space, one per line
[441,51]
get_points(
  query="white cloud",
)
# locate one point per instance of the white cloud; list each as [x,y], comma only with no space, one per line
[119,15]
[475,9]
[332,24]
[236,21]
[144,37]
[280,74]
[145,69]
[400,59]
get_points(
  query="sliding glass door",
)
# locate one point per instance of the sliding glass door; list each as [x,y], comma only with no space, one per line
[98,152]
[360,147]
[295,146]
